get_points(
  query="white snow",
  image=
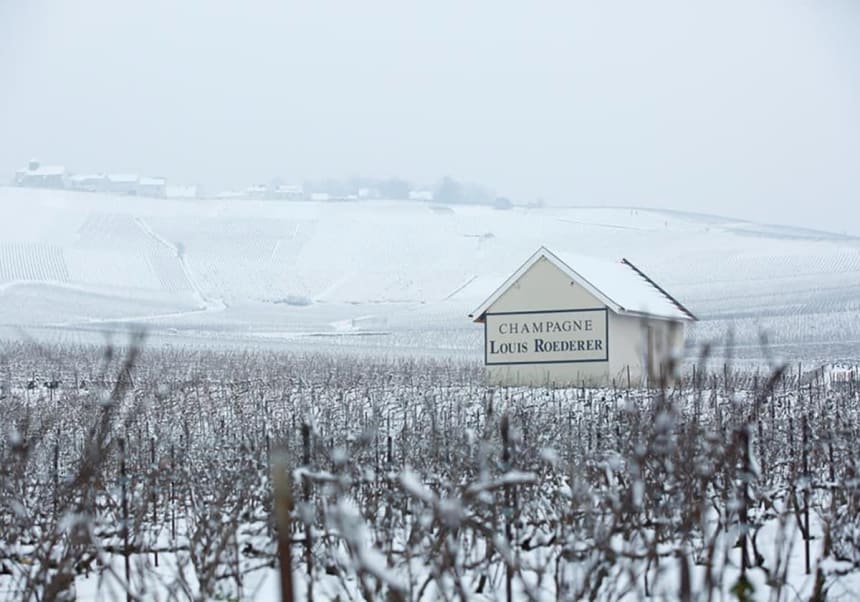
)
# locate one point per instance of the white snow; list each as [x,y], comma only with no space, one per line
[402,275]
[123,178]
[620,283]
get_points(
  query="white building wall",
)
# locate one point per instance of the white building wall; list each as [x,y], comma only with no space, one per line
[649,344]
[545,287]
[631,340]
[627,349]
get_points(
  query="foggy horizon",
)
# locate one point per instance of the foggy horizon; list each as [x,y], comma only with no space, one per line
[744,111]
[566,306]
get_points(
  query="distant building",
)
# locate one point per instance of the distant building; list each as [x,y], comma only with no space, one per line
[420,195]
[575,320]
[87,182]
[122,184]
[38,176]
[320,196]
[173,191]
[288,192]
[258,191]
[840,373]
[151,187]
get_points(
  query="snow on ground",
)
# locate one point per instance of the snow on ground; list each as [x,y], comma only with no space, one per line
[388,276]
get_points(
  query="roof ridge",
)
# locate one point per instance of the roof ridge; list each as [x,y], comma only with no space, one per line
[663,291]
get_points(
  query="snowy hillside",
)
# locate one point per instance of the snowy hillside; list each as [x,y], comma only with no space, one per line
[391,276]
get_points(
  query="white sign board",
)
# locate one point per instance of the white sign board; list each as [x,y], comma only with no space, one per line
[546,337]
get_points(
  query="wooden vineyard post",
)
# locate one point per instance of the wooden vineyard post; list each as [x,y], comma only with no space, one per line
[388,454]
[832,472]
[283,502]
[306,493]
[506,465]
[126,551]
[746,477]
[807,485]
[56,473]
[154,495]
[173,494]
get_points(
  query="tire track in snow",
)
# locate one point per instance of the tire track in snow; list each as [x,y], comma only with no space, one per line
[461,287]
[331,288]
[209,304]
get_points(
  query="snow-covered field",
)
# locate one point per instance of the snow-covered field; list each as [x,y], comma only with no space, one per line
[164,475]
[391,277]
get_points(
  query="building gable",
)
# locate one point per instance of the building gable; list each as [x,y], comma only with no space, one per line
[543,286]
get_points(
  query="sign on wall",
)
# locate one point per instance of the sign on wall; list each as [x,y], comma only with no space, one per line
[546,337]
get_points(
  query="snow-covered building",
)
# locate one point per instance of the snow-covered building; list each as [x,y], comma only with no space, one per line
[569,320]
[41,176]
[152,187]
[257,191]
[122,183]
[288,192]
[87,182]
[839,373]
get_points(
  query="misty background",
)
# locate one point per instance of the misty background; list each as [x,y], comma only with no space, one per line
[744,109]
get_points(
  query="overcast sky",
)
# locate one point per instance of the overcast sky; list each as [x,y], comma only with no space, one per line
[749,109]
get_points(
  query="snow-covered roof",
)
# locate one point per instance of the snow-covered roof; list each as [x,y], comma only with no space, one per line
[46,170]
[81,177]
[623,287]
[122,177]
[144,181]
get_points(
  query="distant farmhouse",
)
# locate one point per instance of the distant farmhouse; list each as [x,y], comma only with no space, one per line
[87,182]
[257,191]
[288,192]
[38,176]
[122,183]
[152,187]
[330,190]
